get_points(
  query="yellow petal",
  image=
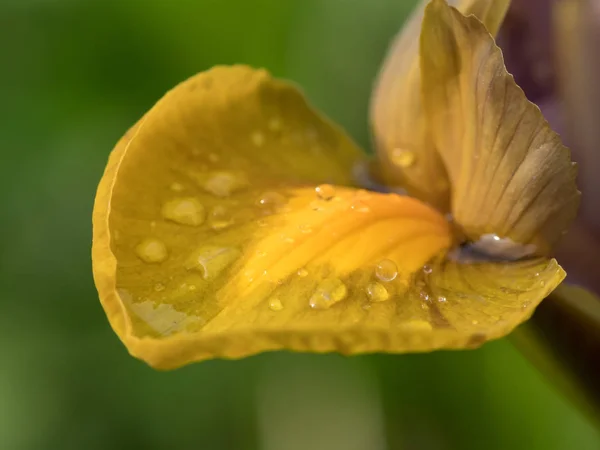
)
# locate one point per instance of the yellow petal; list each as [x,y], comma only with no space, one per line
[404,147]
[510,174]
[212,242]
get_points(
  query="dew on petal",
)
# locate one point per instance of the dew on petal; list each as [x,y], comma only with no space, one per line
[377,292]
[302,273]
[185,211]
[176,187]
[159,287]
[212,260]
[223,184]
[258,139]
[275,304]
[417,325]
[152,250]
[274,124]
[427,269]
[329,292]
[271,201]
[386,270]
[402,157]
[325,192]
[219,218]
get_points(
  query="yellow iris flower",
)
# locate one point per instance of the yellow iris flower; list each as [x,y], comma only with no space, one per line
[228,220]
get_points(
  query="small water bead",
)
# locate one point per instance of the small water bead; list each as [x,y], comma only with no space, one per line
[305,228]
[271,201]
[176,187]
[223,184]
[427,269]
[402,157]
[442,299]
[377,292]
[185,211]
[274,124]
[328,293]
[275,304]
[219,218]
[159,287]
[258,139]
[325,192]
[212,260]
[417,325]
[386,270]
[152,251]
[302,273]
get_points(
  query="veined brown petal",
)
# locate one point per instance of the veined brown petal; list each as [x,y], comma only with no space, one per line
[510,174]
[408,157]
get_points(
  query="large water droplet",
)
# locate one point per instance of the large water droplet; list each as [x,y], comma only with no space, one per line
[271,201]
[402,157]
[219,218]
[386,270]
[325,191]
[212,260]
[302,273]
[186,211]
[152,250]
[377,292]
[328,292]
[275,304]
[223,184]
[257,138]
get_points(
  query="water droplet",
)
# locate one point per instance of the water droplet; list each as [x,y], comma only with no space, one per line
[442,299]
[271,201]
[325,191]
[417,325]
[328,292]
[275,304]
[526,305]
[542,283]
[402,157]
[377,292]
[223,184]
[186,211]
[302,273]
[359,206]
[475,322]
[177,187]
[427,269]
[424,296]
[274,124]
[305,228]
[386,270]
[212,260]
[219,218]
[151,251]
[258,139]
[159,287]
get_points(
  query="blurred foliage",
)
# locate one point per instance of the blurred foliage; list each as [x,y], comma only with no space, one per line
[75,75]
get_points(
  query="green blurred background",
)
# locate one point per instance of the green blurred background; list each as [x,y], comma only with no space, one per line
[75,75]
